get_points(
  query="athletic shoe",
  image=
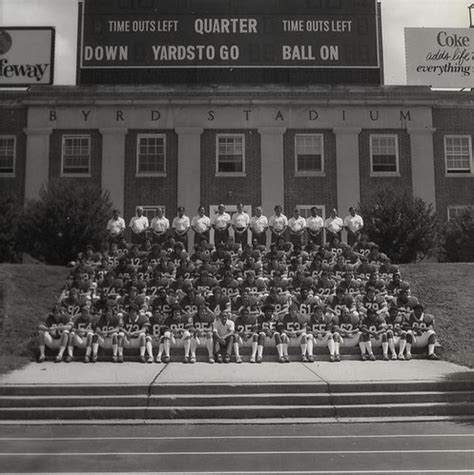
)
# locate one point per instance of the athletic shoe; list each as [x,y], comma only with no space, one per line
[287,359]
[310,359]
[219,359]
[192,360]
[363,357]
[142,359]
[282,359]
[372,357]
[94,358]
[120,359]
[394,356]
[408,356]
[186,359]
[58,359]
[86,359]
[401,357]
[238,360]
[150,359]
[304,359]
[68,359]
[385,357]
[41,359]
[158,359]
[332,358]
[227,359]
[166,359]
[338,358]
[211,360]
[114,358]
[259,359]
[433,357]
[252,360]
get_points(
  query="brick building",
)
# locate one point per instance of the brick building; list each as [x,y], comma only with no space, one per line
[294,145]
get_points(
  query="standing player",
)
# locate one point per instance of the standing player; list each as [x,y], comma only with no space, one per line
[54,333]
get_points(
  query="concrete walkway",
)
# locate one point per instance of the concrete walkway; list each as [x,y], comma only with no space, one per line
[76,373]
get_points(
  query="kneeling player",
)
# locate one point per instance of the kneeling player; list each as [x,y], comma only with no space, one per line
[83,335]
[55,333]
[223,335]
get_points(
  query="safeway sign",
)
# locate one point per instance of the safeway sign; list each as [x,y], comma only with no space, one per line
[26,56]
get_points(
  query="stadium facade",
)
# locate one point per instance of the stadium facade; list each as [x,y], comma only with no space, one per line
[261,135]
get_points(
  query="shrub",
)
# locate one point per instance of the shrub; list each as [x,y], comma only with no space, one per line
[64,220]
[10,211]
[458,237]
[403,226]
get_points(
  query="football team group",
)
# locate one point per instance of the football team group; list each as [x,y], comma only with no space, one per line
[150,295]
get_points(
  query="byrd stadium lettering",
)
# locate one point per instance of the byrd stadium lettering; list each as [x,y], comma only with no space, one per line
[32,71]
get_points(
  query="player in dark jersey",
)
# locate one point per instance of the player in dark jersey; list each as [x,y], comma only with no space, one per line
[371,301]
[372,326]
[421,323]
[218,302]
[108,327]
[264,328]
[55,333]
[135,324]
[344,324]
[394,321]
[286,328]
[83,335]
[244,329]
[202,326]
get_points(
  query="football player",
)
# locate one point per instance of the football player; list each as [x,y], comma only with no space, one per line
[83,335]
[264,328]
[55,333]
[135,324]
[420,323]
[108,327]
[372,326]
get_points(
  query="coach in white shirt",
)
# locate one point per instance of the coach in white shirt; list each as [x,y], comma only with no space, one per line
[258,227]
[201,225]
[296,227]
[181,227]
[160,226]
[221,222]
[315,226]
[278,224]
[353,224]
[139,225]
[334,225]
[240,225]
[116,226]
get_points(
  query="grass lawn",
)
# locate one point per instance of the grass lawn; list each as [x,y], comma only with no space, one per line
[27,292]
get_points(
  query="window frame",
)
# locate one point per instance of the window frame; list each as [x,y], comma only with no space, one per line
[456,209]
[64,137]
[150,208]
[302,173]
[454,173]
[11,174]
[395,173]
[230,174]
[152,174]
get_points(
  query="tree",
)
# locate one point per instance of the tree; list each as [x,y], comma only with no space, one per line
[64,220]
[10,211]
[403,226]
[458,237]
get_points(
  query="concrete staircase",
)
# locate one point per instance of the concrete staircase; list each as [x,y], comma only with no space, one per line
[236,401]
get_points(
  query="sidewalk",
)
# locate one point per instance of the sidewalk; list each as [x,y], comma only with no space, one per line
[178,373]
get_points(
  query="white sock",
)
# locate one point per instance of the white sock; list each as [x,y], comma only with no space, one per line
[337,345]
[149,348]
[114,349]
[259,351]
[254,349]
[362,347]
[403,344]
[385,348]
[279,348]
[304,348]
[285,349]
[408,348]
[167,346]
[310,344]
[391,345]
[331,346]
[95,348]
[187,347]
[160,351]
[431,348]
[142,350]
[368,345]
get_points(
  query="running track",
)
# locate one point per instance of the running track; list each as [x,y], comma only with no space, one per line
[329,448]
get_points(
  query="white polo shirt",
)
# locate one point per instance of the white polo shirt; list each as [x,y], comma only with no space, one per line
[354,223]
[115,226]
[160,225]
[278,223]
[240,220]
[221,221]
[297,224]
[258,224]
[139,224]
[201,223]
[223,329]
[334,225]
[181,224]
[315,223]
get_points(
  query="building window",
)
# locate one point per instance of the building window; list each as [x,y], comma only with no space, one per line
[230,154]
[309,157]
[458,210]
[7,155]
[458,153]
[150,211]
[151,154]
[384,154]
[76,155]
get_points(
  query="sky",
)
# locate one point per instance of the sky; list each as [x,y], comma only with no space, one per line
[396,15]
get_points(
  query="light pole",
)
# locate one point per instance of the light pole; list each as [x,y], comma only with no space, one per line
[471,15]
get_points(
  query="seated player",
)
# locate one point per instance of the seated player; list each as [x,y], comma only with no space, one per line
[54,333]
[244,326]
[372,326]
[135,324]
[108,328]
[203,321]
[286,328]
[264,328]
[394,322]
[371,301]
[83,335]
[420,323]
[343,324]
[223,336]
